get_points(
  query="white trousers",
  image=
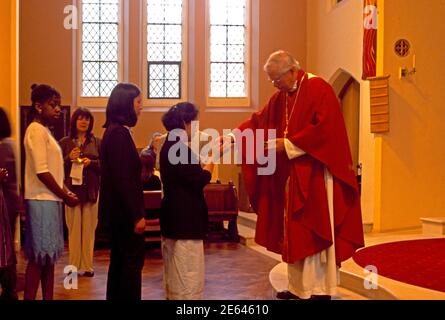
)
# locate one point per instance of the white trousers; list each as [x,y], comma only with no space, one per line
[184,272]
[317,274]
[81,222]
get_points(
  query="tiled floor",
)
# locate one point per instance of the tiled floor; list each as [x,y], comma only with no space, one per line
[233,272]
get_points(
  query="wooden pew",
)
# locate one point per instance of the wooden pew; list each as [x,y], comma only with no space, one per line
[152,200]
[222,202]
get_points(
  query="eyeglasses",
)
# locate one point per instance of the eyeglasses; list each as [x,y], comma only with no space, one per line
[278,80]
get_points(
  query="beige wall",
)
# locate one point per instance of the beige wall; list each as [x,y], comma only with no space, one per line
[46,56]
[334,51]
[5,54]
[335,37]
[8,60]
[45,48]
[413,153]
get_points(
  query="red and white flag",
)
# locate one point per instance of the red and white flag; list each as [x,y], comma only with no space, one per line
[369,38]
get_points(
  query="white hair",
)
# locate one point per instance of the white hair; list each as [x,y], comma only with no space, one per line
[282,60]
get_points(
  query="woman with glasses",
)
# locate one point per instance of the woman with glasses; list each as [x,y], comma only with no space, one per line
[295,205]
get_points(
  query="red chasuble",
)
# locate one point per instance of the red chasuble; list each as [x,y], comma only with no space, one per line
[317,127]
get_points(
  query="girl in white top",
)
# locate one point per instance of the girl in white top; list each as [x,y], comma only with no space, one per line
[44,194]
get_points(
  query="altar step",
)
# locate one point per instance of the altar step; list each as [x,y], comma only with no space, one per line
[246,228]
[433,226]
[279,281]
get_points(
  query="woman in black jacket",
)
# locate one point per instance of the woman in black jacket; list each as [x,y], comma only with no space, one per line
[121,203]
[184,216]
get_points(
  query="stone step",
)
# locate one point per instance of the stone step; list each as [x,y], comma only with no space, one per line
[279,281]
[433,226]
[246,227]
[246,230]
[367,227]
[266,252]
[247,219]
[247,235]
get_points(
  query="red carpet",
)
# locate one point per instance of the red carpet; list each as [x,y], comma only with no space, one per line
[419,262]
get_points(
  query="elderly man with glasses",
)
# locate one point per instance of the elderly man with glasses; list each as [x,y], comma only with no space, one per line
[309,209]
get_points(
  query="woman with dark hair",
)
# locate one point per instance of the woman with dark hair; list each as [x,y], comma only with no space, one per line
[10,206]
[121,202]
[44,193]
[82,176]
[184,216]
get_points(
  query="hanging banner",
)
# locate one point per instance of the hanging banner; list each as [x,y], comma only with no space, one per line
[369,39]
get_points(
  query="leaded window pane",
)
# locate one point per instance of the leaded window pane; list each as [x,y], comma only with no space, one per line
[164,48]
[228,48]
[164,80]
[100,47]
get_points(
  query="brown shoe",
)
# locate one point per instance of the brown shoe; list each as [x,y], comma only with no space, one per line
[286,295]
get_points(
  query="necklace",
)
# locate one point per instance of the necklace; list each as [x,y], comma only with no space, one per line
[288,117]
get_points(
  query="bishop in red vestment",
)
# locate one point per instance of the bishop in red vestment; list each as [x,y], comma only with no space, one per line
[297,216]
